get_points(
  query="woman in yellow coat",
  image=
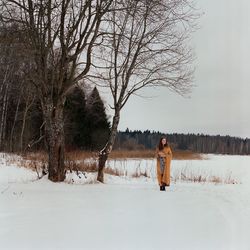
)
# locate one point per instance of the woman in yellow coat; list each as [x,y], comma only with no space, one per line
[164,157]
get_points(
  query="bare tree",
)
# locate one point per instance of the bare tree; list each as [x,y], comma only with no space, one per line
[60,39]
[4,96]
[144,44]
[14,123]
[29,99]
[8,69]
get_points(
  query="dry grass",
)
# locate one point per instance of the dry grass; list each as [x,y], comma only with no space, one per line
[79,155]
[148,154]
[37,165]
[190,176]
[78,161]
[40,156]
[186,155]
[82,166]
[28,162]
[74,160]
[85,161]
[82,161]
[124,154]
[112,171]
[139,173]
[72,155]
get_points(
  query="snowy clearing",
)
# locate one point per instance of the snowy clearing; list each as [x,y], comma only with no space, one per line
[126,212]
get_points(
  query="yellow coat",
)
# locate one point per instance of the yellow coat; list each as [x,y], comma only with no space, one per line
[165,177]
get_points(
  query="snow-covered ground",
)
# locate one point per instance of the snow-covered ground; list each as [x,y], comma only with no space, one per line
[126,212]
[225,167]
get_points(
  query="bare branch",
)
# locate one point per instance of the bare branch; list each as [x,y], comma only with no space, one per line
[145,44]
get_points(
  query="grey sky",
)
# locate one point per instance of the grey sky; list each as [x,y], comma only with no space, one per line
[219,104]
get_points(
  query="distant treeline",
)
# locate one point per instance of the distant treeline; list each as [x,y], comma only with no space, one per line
[136,140]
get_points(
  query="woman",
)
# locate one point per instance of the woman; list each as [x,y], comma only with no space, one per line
[164,157]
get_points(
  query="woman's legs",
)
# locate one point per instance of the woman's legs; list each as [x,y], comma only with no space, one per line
[161,173]
[166,176]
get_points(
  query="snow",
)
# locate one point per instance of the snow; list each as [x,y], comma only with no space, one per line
[125,212]
[223,166]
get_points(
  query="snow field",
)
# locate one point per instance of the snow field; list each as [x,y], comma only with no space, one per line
[127,213]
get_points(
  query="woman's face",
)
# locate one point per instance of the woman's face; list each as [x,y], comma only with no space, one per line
[164,141]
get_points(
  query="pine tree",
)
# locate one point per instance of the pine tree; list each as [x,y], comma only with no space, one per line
[97,123]
[75,120]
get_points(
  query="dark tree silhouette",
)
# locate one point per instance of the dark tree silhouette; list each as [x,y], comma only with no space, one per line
[75,119]
[97,123]
[200,143]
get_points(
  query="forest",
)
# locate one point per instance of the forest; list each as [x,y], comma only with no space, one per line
[215,144]
[86,125]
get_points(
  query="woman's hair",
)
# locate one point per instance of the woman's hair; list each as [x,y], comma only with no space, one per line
[160,146]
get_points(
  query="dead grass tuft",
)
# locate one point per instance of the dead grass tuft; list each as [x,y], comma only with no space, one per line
[139,173]
[189,176]
[40,156]
[82,166]
[112,171]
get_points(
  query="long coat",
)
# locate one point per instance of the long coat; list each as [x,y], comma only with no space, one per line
[165,176]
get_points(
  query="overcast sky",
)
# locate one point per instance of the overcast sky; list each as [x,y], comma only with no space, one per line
[220,103]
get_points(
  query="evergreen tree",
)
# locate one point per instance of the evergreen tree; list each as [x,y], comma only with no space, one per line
[98,126]
[75,120]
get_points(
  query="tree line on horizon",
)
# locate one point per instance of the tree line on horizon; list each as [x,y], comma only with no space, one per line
[86,126]
[200,143]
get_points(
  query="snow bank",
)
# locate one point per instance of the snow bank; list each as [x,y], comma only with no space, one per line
[12,173]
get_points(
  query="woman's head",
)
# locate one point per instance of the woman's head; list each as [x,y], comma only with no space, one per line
[163,143]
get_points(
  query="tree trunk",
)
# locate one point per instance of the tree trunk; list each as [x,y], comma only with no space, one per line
[54,131]
[23,127]
[4,91]
[3,118]
[28,104]
[104,153]
[4,125]
[14,124]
